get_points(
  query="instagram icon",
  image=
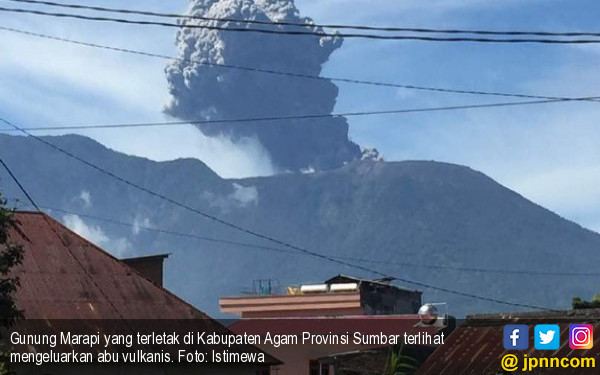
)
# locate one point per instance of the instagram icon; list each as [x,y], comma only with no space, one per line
[581,336]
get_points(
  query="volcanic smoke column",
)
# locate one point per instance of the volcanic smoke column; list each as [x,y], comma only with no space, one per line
[208,92]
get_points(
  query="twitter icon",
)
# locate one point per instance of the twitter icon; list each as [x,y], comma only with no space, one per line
[547,337]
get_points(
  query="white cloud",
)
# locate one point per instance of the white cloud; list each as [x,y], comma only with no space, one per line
[244,158]
[547,153]
[130,81]
[139,223]
[240,197]
[118,246]
[86,198]
[75,85]
[244,195]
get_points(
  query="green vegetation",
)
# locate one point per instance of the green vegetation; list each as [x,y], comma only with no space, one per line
[399,363]
[10,256]
[579,303]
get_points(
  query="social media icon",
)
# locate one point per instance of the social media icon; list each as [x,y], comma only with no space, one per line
[546,336]
[581,336]
[516,337]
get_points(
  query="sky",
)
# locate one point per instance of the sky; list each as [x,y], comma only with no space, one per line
[548,153]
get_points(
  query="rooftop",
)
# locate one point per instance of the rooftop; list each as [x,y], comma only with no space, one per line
[476,347]
[65,278]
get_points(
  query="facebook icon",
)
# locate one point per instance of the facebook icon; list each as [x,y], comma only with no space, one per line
[516,337]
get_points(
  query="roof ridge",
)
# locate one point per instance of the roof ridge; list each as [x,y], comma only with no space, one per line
[162,289]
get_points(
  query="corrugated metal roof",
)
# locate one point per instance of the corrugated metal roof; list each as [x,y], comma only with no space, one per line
[476,347]
[64,276]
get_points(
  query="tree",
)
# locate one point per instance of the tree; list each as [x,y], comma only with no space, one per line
[399,363]
[11,255]
[579,303]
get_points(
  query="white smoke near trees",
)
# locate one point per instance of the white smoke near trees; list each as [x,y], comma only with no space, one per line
[241,197]
[203,92]
[116,246]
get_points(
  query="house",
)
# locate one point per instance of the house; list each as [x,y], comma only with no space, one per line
[307,357]
[370,361]
[341,306]
[476,347]
[340,295]
[380,297]
[68,283]
[151,266]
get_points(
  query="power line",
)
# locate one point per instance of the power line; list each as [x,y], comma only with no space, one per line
[14,178]
[303,33]
[65,245]
[300,24]
[261,235]
[502,271]
[299,117]
[169,232]
[289,74]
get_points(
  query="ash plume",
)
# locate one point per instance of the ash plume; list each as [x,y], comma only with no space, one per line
[203,92]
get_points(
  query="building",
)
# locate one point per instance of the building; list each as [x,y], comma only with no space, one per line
[370,361]
[380,297]
[338,306]
[476,347]
[151,267]
[340,295]
[68,282]
[315,358]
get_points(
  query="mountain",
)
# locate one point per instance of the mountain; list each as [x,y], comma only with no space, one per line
[406,217]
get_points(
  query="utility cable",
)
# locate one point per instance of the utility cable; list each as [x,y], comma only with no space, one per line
[501,271]
[306,24]
[261,235]
[304,33]
[282,73]
[299,117]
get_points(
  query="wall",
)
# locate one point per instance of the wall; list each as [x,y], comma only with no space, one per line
[381,299]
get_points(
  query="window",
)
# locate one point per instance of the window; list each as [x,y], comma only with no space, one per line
[316,368]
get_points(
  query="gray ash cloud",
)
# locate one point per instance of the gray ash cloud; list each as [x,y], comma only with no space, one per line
[200,91]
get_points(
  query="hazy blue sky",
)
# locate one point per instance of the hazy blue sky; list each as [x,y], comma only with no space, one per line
[548,153]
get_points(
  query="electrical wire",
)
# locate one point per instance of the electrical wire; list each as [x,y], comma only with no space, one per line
[299,117]
[262,236]
[299,24]
[62,241]
[303,33]
[502,271]
[68,248]
[288,74]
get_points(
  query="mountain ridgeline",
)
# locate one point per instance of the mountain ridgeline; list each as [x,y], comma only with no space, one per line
[415,220]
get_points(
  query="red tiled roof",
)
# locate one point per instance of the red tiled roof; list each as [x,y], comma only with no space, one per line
[476,347]
[64,276]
